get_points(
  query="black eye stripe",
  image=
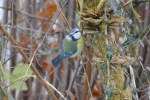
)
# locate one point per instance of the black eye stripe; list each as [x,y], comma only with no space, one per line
[76,31]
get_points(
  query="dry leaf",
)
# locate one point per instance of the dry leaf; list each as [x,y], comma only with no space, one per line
[96,92]
[96,21]
[70,94]
[90,31]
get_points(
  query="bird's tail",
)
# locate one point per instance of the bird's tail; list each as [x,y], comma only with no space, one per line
[57,61]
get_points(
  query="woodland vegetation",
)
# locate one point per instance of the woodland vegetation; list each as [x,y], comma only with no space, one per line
[114,66]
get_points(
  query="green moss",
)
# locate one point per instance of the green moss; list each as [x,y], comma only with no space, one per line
[92,4]
[97,49]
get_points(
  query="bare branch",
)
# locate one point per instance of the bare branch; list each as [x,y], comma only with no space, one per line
[28,61]
[30,15]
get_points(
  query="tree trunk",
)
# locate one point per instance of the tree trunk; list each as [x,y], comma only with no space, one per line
[110,78]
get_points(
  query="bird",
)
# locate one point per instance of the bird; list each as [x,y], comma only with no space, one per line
[71,47]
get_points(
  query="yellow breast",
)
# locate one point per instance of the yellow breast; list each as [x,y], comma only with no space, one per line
[80,48]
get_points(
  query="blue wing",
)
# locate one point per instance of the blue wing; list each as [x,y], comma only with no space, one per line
[64,54]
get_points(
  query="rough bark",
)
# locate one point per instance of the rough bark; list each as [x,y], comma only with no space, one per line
[97,49]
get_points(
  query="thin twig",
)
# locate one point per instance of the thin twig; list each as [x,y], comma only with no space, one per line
[18,51]
[86,77]
[30,15]
[108,67]
[63,16]
[28,61]
[56,90]
[74,74]
[143,33]
[4,81]
[51,25]
[26,74]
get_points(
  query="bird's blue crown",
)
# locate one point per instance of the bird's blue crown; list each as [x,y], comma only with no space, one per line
[72,31]
[74,34]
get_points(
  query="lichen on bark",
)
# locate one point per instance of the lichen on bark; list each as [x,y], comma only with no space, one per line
[97,49]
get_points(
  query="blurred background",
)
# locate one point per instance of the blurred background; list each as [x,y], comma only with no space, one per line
[28,21]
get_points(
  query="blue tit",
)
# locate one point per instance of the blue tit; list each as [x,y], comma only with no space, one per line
[71,47]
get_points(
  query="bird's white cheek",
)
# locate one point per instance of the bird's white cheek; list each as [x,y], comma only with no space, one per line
[68,38]
[77,35]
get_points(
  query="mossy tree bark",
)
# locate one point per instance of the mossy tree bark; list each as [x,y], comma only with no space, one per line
[90,17]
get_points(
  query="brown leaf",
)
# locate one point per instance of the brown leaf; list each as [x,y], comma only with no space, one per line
[117,34]
[96,21]
[43,14]
[47,67]
[81,20]
[116,21]
[70,94]
[44,29]
[85,14]
[49,9]
[23,42]
[116,59]
[40,14]
[96,92]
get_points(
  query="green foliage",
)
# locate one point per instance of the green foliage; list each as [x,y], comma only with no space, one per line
[109,53]
[113,68]
[118,13]
[87,1]
[105,80]
[102,68]
[128,80]
[100,34]
[102,25]
[108,91]
[76,10]
[108,47]
[6,73]
[94,39]
[133,90]
[129,20]
[17,85]
[122,25]
[143,32]
[132,50]
[145,76]
[85,38]
[95,36]
[129,41]
[17,76]
[112,4]
[136,64]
